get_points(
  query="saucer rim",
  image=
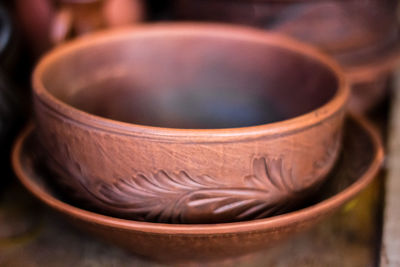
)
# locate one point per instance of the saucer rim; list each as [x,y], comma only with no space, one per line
[266,224]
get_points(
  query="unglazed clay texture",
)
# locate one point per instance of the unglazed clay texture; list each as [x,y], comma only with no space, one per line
[358,163]
[175,181]
[195,176]
[362,35]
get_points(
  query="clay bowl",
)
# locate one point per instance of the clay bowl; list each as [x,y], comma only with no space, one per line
[358,164]
[337,27]
[365,96]
[362,35]
[189,123]
[370,79]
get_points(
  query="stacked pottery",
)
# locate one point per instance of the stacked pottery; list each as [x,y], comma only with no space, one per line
[193,142]
[362,35]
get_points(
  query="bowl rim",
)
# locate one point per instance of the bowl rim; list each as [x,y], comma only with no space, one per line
[307,120]
[267,224]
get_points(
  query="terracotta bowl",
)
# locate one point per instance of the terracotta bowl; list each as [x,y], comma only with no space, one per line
[189,123]
[370,79]
[359,162]
[363,36]
[337,27]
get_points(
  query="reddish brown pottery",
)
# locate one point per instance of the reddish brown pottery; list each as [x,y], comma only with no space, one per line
[49,22]
[362,35]
[358,164]
[346,29]
[189,123]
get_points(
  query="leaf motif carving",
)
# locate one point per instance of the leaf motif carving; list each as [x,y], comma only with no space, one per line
[153,197]
[270,175]
[181,198]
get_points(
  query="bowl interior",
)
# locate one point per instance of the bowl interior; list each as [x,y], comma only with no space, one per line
[189,80]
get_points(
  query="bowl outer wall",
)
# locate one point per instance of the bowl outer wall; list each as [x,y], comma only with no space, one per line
[95,149]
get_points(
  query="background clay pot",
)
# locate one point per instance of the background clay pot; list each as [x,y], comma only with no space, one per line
[337,27]
[366,95]
[358,164]
[371,79]
[129,120]
[361,35]
[334,26]
[50,22]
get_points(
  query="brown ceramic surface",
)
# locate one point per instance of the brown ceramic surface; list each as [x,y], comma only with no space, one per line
[103,105]
[46,23]
[358,164]
[338,27]
[363,36]
[365,96]
[369,70]
[370,79]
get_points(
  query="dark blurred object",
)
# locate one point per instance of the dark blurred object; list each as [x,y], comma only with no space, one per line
[362,35]
[11,104]
[50,22]
[159,10]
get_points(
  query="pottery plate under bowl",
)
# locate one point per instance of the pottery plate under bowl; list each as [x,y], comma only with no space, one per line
[357,166]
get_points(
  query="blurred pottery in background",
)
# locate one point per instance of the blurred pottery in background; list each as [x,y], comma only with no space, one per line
[189,123]
[358,164]
[337,27]
[361,35]
[366,95]
[49,22]
[371,78]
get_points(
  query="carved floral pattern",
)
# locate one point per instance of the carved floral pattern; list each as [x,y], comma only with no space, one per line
[176,198]
[182,198]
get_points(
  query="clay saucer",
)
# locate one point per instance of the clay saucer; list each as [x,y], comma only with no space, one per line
[358,164]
